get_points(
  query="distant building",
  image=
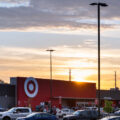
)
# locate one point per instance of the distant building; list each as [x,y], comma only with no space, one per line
[112,95]
[7,96]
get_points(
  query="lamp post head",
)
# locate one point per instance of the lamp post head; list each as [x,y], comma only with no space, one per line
[50,50]
[103,4]
[99,4]
[94,4]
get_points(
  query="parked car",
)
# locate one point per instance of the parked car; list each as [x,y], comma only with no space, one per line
[82,115]
[115,109]
[111,118]
[15,112]
[39,116]
[63,112]
[117,112]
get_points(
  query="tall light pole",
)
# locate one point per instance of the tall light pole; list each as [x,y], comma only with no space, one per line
[50,50]
[115,81]
[99,4]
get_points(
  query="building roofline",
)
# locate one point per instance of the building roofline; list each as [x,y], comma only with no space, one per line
[57,80]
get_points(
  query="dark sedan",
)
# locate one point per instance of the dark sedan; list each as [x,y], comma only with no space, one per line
[39,116]
[82,115]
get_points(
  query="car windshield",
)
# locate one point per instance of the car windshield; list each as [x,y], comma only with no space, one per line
[31,115]
[11,110]
[76,113]
[65,110]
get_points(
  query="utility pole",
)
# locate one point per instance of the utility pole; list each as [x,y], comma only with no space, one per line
[115,81]
[70,75]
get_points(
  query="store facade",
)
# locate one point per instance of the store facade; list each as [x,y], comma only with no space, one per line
[34,91]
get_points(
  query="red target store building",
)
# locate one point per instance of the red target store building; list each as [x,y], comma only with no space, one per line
[32,91]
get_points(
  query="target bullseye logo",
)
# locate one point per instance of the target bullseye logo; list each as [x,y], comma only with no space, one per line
[31,87]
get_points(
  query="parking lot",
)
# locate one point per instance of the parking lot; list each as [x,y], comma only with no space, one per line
[25,112]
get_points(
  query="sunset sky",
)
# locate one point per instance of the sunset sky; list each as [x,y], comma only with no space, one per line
[29,27]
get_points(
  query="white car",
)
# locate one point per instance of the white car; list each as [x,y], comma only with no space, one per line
[64,112]
[111,118]
[15,112]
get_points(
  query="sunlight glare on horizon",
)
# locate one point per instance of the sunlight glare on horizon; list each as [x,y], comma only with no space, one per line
[80,75]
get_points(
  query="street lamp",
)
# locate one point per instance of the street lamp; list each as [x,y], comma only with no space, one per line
[99,4]
[50,50]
